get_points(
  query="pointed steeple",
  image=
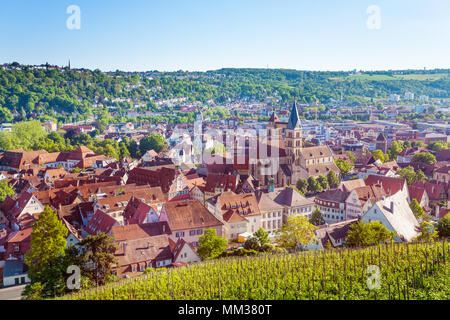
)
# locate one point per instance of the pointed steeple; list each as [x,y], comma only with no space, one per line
[273,118]
[294,119]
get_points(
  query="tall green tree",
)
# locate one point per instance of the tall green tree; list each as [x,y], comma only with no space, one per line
[333,179]
[395,149]
[211,245]
[302,185]
[314,185]
[416,208]
[98,256]
[317,218]
[47,248]
[323,181]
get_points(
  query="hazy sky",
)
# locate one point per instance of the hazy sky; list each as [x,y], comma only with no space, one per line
[167,35]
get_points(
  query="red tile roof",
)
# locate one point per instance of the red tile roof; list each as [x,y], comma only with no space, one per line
[100,222]
[391,185]
[189,214]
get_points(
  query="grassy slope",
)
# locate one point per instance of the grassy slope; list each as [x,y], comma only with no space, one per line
[407,272]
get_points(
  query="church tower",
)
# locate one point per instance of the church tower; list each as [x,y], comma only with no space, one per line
[294,135]
[294,144]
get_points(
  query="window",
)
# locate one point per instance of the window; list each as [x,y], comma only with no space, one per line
[192,233]
[199,231]
[133,269]
[179,234]
[142,267]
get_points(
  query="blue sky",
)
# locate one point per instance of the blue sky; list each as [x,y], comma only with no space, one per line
[167,35]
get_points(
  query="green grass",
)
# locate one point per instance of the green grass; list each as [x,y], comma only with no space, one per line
[408,271]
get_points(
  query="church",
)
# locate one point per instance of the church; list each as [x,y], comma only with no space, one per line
[295,160]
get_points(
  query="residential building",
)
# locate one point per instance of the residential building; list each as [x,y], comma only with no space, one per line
[396,215]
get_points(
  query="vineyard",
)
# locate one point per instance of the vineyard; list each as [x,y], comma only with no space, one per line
[406,272]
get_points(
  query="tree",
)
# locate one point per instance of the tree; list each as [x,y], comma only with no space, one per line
[47,247]
[333,179]
[211,245]
[378,155]
[365,234]
[410,175]
[351,156]
[395,149]
[152,142]
[98,256]
[438,146]
[5,190]
[314,185]
[33,291]
[317,218]
[443,227]
[424,157]
[429,231]
[416,208]
[259,241]
[302,185]
[296,232]
[323,181]
[420,176]
[343,166]
[5,115]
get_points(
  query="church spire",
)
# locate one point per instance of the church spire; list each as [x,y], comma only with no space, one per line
[294,119]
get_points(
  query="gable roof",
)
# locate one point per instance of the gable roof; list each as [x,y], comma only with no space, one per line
[349,185]
[337,231]
[288,197]
[140,231]
[399,215]
[391,185]
[100,222]
[189,214]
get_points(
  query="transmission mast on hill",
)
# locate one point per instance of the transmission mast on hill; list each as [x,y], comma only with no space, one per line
[317,104]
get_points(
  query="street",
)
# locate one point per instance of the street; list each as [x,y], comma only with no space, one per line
[11,293]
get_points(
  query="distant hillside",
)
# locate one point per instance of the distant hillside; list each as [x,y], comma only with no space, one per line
[408,271]
[48,91]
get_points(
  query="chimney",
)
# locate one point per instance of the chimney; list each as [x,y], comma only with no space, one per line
[125,248]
